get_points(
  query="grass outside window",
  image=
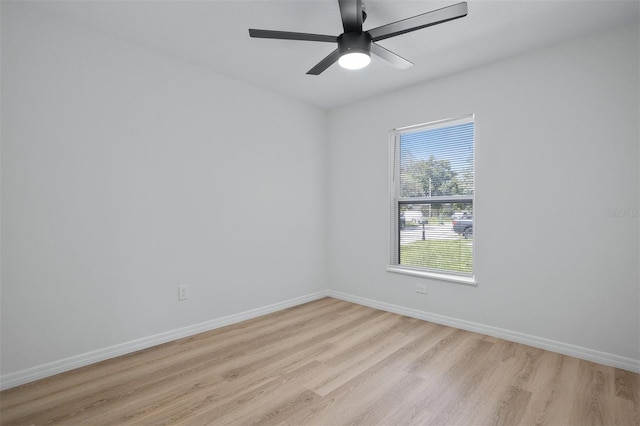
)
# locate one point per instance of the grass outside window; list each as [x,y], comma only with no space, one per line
[449,255]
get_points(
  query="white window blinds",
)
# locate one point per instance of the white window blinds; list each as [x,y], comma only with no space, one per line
[433,196]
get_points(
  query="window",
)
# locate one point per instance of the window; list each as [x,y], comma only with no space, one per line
[432,200]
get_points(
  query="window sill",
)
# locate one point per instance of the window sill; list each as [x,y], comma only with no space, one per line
[433,275]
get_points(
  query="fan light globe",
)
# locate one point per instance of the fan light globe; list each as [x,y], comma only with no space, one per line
[354,60]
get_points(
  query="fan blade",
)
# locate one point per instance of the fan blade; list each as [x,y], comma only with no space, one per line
[325,63]
[286,35]
[351,13]
[395,60]
[424,20]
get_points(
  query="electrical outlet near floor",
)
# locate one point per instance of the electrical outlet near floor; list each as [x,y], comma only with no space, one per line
[421,288]
[183,292]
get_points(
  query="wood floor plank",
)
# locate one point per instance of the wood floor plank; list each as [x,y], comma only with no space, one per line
[207,398]
[551,388]
[247,405]
[332,362]
[352,399]
[627,385]
[509,407]
[356,365]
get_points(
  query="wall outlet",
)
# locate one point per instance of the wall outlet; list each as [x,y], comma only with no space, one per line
[183,292]
[421,288]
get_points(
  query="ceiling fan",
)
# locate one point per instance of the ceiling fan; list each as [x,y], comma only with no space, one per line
[355,45]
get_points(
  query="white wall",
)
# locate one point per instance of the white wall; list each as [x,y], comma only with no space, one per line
[556,146]
[124,174]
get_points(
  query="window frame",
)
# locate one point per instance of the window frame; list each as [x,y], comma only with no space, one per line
[395,201]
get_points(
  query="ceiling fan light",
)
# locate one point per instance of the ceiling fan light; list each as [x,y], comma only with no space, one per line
[354,60]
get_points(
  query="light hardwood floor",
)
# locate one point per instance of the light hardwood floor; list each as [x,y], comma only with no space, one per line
[332,362]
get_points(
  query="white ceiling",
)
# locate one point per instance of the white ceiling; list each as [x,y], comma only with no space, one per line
[213,34]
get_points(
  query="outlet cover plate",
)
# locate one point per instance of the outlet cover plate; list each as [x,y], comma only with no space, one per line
[183,292]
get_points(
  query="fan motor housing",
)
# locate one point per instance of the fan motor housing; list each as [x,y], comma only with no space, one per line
[354,42]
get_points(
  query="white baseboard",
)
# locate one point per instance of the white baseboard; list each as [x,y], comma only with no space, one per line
[66,364]
[604,358]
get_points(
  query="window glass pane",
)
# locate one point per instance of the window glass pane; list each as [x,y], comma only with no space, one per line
[437,236]
[437,162]
[433,198]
